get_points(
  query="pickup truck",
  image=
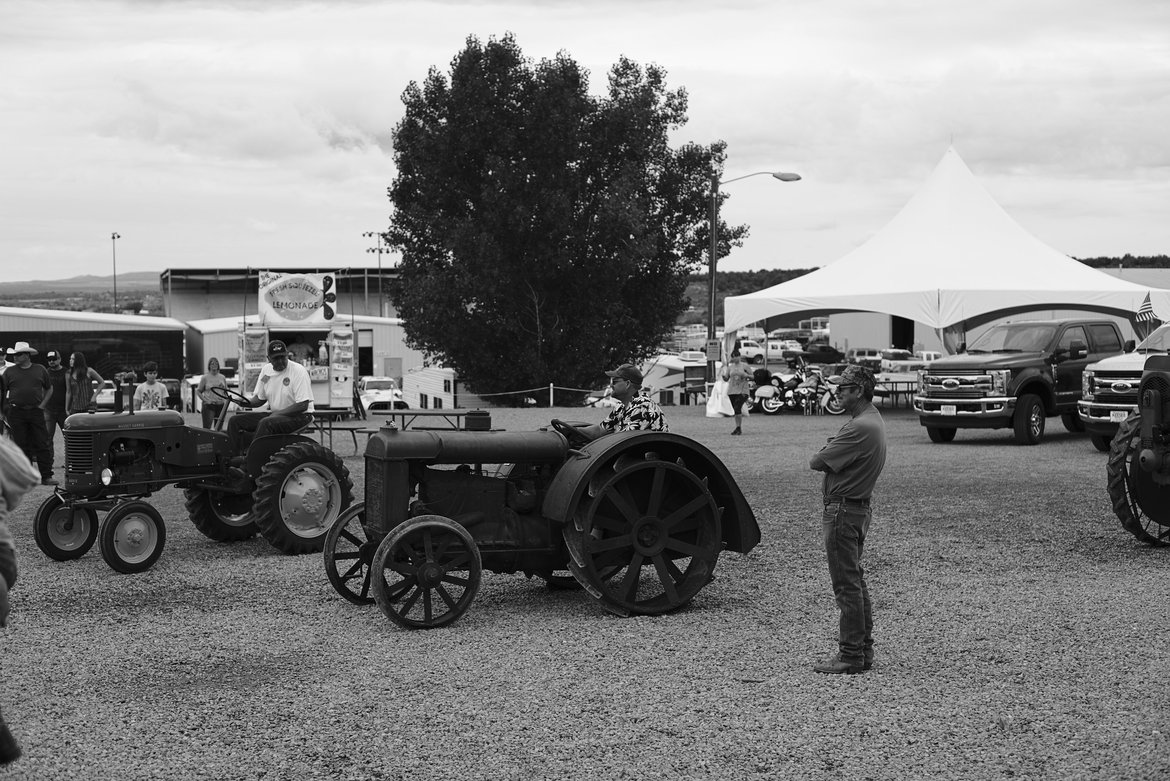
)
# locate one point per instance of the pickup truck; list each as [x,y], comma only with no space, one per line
[1014,376]
[1109,390]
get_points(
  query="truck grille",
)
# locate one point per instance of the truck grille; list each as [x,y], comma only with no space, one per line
[1115,387]
[78,453]
[955,385]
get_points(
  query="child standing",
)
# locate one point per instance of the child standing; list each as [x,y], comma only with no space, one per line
[152,393]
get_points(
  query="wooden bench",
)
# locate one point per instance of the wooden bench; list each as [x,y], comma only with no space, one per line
[353,432]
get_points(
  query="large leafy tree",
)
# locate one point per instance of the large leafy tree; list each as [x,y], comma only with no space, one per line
[546,234]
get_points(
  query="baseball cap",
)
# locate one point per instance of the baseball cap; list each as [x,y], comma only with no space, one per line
[855,374]
[627,371]
[52,355]
[276,347]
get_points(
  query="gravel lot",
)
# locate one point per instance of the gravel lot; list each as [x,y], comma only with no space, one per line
[1020,634]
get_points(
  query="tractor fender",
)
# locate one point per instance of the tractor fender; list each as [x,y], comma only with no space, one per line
[568,488]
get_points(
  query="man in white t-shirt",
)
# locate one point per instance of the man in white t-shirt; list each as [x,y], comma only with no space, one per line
[286,387]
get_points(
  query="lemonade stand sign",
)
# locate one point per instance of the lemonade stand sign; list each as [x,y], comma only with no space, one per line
[297,299]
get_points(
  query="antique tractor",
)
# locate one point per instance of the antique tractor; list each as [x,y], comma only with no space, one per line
[637,518]
[1139,459]
[287,487]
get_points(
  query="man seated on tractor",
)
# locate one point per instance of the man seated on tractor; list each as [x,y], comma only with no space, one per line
[637,411]
[286,387]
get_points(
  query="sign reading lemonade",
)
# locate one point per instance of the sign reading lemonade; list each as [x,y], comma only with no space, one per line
[297,299]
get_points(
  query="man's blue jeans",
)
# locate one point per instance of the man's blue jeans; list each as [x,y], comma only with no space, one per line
[845,527]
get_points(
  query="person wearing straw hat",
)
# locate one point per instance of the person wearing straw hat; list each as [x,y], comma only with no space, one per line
[26,390]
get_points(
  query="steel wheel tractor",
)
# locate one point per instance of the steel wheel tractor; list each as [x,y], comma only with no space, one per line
[638,519]
[1139,459]
[286,487]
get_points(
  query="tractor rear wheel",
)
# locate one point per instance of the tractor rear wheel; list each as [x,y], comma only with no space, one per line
[1141,504]
[426,572]
[221,516]
[645,539]
[303,489]
[132,537]
[64,532]
[349,554]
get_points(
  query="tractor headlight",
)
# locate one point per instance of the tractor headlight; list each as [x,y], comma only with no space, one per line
[107,476]
[1087,384]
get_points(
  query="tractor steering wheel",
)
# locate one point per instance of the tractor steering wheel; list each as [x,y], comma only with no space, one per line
[570,432]
[227,394]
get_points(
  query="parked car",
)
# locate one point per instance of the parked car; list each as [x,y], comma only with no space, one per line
[174,393]
[895,360]
[750,350]
[380,393]
[865,356]
[819,352]
[778,347]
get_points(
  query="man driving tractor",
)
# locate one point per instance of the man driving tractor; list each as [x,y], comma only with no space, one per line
[287,389]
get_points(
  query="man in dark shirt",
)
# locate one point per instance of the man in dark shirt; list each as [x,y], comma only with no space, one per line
[55,413]
[26,391]
[851,461]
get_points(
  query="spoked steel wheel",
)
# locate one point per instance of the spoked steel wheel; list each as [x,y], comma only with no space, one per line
[132,537]
[646,539]
[64,532]
[1140,503]
[349,552]
[426,572]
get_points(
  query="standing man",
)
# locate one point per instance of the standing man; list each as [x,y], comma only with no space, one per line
[55,412]
[288,390]
[26,392]
[851,461]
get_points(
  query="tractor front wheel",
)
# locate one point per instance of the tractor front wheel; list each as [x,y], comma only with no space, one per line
[132,537]
[303,489]
[426,572]
[64,532]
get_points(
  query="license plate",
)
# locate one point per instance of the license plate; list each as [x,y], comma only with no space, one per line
[948,409]
[1118,415]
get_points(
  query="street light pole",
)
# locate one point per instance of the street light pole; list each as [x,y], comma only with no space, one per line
[379,250]
[114,249]
[712,261]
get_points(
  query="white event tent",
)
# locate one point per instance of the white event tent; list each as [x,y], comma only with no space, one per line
[952,259]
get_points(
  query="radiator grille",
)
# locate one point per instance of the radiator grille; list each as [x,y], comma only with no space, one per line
[78,453]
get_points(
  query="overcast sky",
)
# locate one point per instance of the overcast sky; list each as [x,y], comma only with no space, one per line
[257,132]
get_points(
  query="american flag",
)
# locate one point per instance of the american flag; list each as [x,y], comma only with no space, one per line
[1145,312]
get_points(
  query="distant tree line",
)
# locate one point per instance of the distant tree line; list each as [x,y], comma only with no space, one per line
[1129,261]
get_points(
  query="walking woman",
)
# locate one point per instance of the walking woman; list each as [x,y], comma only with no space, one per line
[737,377]
[80,385]
[212,403]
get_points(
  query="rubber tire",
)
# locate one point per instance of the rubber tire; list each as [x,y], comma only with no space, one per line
[833,406]
[758,360]
[1072,422]
[941,435]
[1118,481]
[202,510]
[42,534]
[270,485]
[1101,442]
[109,537]
[1028,422]
[772,406]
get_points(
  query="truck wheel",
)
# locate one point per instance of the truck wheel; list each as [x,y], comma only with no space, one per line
[298,496]
[759,359]
[1142,505]
[349,553]
[427,571]
[1072,422]
[1029,421]
[1100,441]
[63,532]
[132,537]
[221,516]
[647,538]
[941,434]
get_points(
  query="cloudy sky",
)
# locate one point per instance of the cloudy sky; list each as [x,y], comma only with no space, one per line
[257,132]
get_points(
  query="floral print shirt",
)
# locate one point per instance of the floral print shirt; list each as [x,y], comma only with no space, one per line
[640,414]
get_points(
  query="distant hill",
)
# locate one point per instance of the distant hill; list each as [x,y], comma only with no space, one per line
[87,283]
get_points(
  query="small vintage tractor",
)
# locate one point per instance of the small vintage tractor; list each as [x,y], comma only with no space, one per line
[1139,459]
[287,487]
[637,518]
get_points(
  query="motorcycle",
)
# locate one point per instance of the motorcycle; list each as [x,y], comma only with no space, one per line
[775,393]
[818,391]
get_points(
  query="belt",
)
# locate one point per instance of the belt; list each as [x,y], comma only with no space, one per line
[845,501]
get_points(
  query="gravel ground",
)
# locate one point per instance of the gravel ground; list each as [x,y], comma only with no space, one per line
[1020,634]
